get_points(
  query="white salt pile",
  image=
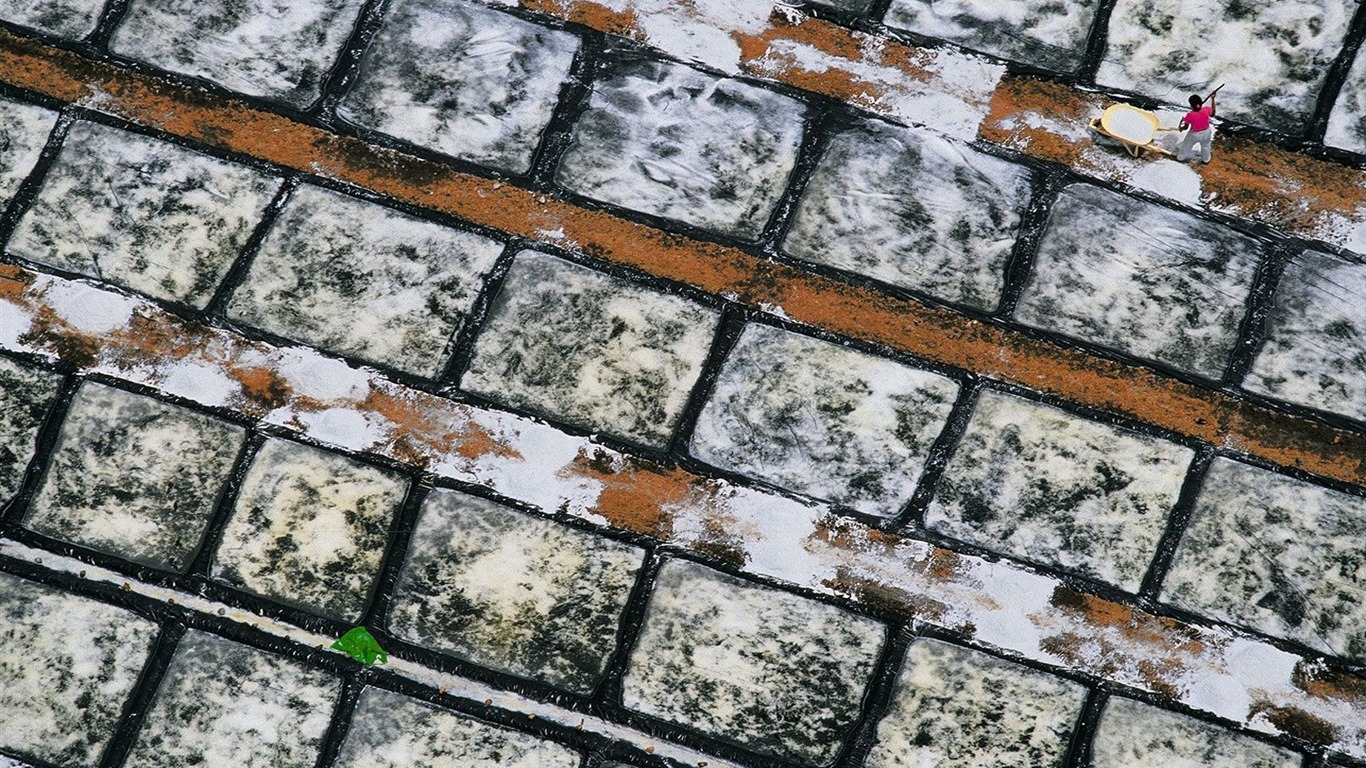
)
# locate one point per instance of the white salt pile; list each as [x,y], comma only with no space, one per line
[1130,126]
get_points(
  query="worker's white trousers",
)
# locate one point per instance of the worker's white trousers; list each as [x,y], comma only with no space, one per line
[1188,142]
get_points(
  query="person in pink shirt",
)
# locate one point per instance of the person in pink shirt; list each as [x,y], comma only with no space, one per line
[1198,131]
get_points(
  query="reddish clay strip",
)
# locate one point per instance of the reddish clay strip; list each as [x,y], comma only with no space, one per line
[856,311]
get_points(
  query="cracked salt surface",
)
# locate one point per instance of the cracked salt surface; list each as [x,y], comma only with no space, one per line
[462,79]
[142,213]
[512,591]
[777,673]
[1275,554]
[1038,483]
[821,419]
[1314,353]
[674,142]
[1136,735]
[24,129]
[393,731]
[1133,276]
[1041,33]
[134,477]
[224,703]
[309,529]
[72,19]
[590,349]
[1271,55]
[954,706]
[360,279]
[275,49]
[914,210]
[70,667]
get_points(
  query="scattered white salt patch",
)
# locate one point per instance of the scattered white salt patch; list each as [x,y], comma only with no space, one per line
[311,375]
[468,690]
[87,308]
[954,100]
[1342,230]
[555,235]
[768,531]
[1170,179]
[342,427]
[694,40]
[14,323]
[1021,629]
[542,456]
[1072,131]
[1251,669]
[773,309]
[200,382]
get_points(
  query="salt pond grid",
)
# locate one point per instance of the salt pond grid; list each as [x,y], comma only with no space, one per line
[676,385]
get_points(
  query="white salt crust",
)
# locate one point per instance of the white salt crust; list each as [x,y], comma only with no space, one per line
[821,419]
[462,79]
[591,349]
[68,665]
[1315,350]
[25,128]
[956,707]
[142,213]
[275,49]
[1043,33]
[71,19]
[1271,56]
[364,280]
[309,529]
[674,142]
[1135,735]
[389,730]
[776,672]
[224,703]
[1038,483]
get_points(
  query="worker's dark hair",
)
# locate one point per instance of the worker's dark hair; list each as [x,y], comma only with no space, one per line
[1196,101]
